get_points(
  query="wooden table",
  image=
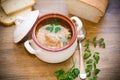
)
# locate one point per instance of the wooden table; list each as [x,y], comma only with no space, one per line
[17,64]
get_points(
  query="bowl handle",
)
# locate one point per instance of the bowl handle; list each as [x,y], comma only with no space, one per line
[78,22]
[29,47]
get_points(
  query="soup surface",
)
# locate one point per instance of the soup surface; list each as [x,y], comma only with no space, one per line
[54,33]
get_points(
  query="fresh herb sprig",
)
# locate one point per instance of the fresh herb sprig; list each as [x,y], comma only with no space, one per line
[71,74]
[92,59]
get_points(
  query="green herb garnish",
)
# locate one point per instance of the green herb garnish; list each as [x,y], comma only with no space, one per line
[89,61]
[96,57]
[87,44]
[101,42]
[50,28]
[89,68]
[94,64]
[94,42]
[71,74]
[59,72]
[94,78]
[88,74]
[57,29]
[86,54]
[54,27]
[96,71]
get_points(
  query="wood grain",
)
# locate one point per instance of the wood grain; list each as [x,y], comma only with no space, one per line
[17,64]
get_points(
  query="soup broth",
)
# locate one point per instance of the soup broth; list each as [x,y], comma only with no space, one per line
[54,33]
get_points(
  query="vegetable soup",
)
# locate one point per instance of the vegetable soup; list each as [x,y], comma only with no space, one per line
[54,33]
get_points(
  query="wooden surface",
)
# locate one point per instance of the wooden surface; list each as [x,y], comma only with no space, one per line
[17,64]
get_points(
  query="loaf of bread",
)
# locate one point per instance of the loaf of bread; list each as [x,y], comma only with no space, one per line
[9,19]
[12,6]
[91,10]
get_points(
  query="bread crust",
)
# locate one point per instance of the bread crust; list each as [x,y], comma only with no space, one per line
[98,4]
[9,19]
[5,6]
[91,10]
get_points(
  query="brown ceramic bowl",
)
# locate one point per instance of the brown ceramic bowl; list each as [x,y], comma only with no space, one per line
[55,16]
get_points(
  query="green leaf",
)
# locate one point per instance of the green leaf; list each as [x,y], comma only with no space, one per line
[59,72]
[71,74]
[88,74]
[89,61]
[63,77]
[50,28]
[96,71]
[94,42]
[89,68]
[101,42]
[94,78]
[87,43]
[86,55]
[94,64]
[75,72]
[96,57]
[57,29]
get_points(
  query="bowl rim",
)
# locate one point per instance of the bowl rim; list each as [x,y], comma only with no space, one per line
[54,15]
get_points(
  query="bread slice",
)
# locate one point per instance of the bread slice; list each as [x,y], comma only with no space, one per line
[9,20]
[12,6]
[91,10]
